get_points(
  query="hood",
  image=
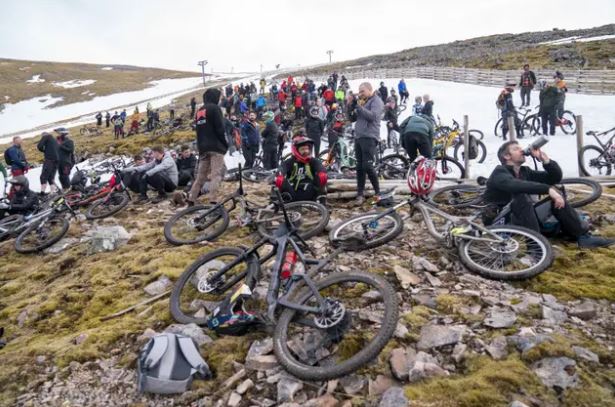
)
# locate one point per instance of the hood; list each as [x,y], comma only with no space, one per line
[212,96]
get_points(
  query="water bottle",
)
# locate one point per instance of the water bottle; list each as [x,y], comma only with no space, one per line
[539,142]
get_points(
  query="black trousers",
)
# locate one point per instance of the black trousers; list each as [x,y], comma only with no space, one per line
[306,191]
[64,174]
[518,128]
[159,182]
[525,96]
[270,157]
[411,142]
[365,154]
[249,154]
[524,213]
[316,140]
[48,173]
[185,177]
[548,116]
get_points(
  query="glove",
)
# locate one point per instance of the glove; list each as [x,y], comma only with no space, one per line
[279,180]
[322,178]
[322,199]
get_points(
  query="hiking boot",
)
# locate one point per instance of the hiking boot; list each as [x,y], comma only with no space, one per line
[360,200]
[142,199]
[159,198]
[588,241]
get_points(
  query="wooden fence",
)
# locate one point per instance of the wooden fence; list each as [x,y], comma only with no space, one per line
[594,82]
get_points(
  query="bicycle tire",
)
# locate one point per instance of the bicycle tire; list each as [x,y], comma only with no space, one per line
[396,230]
[82,131]
[595,193]
[497,130]
[122,203]
[258,175]
[10,223]
[397,170]
[544,263]
[531,125]
[585,167]
[19,246]
[449,161]
[174,302]
[459,150]
[365,353]
[479,135]
[211,235]
[292,206]
[571,126]
[451,195]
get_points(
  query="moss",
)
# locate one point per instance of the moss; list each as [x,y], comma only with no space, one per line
[555,347]
[485,382]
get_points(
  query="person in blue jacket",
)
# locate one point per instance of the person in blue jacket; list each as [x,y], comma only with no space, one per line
[403,91]
[250,139]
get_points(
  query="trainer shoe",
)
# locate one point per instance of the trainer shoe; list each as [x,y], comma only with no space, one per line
[588,241]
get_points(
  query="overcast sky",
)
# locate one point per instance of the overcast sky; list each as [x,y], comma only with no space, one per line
[246,33]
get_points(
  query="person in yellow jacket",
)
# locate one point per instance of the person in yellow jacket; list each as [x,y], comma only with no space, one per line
[560,84]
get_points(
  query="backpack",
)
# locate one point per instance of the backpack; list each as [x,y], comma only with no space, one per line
[167,364]
[500,101]
[472,147]
[7,157]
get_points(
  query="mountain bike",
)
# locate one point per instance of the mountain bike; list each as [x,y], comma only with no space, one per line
[526,116]
[322,328]
[90,131]
[567,123]
[503,252]
[596,161]
[206,222]
[453,137]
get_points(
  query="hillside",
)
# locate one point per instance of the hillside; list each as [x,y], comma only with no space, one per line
[500,51]
[74,82]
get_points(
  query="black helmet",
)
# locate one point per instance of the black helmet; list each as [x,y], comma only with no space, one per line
[20,180]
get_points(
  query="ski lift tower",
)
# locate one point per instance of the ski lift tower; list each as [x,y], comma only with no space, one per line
[202,64]
[330,52]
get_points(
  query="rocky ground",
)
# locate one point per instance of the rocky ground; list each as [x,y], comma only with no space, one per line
[461,340]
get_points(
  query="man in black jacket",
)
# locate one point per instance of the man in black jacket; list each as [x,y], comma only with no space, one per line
[186,164]
[21,199]
[212,145]
[513,183]
[66,156]
[270,142]
[314,128]
[48,145]
[383,91]
[527,82]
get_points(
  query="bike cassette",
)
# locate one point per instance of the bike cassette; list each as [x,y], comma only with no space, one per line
[332,316]
[507,246]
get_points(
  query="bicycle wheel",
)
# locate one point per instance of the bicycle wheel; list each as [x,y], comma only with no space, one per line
[352,332]
[195,292]
[497,130]
[41,235]
[82,131]
[449,168]
[377,233]
[107,206]
[258,175]
[393,166]
[581,191]
[196,224]
[9,224]
[568,123]
[531,125]
[521,254]
[309,217]
[479,135]
[459,152]
[594,161]
[457,196]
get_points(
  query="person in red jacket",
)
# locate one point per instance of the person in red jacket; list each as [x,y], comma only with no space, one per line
[302,176]
[298,107]
[282,99]
[329,96]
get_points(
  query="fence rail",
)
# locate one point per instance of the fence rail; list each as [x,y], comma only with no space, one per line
[594,82]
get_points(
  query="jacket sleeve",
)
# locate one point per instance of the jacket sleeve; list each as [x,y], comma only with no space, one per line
[166,163]
[551,175]
[67,146]
[368,115]
[504,181]
[144,167]
[41,144]
[27,204]
[16,159]
[533,77]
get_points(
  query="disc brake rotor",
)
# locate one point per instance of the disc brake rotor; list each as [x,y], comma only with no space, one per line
[333,315]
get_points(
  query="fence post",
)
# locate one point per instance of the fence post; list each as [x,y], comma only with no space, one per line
[466,146]
[512,130]
[579,120]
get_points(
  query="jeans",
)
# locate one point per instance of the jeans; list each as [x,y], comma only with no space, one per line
[525,96]
[159,182]
[211,168]
[365,153]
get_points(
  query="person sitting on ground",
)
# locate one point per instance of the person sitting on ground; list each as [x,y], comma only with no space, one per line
[302,176]
[21,199]
[417,133]
[513,183]
[186,164]
[159,174]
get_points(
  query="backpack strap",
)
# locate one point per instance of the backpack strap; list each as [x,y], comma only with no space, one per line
[193,357]
[158,349]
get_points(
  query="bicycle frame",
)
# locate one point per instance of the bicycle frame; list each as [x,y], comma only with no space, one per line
[605,146]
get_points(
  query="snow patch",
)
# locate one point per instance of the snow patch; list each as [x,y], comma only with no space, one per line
[36,79]
[107,68]
[598,38]
[75,83]
[577,38]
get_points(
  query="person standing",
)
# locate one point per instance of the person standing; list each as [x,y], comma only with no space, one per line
[367,130]
[107,119]
[384,92]
[212,145]
[563,89]
[66,156]
[99,119]
[15,158]
[403,91]
[428,106]
[314,128]
[270,142]
[505,102]
[192,107]
[48,145]
[417,134]
[250,139]
[527,83]
[549,98]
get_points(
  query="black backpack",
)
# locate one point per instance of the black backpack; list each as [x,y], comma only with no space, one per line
[168,363]
[472,147]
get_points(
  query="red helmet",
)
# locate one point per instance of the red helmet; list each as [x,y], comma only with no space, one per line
[299,141]
[421,176]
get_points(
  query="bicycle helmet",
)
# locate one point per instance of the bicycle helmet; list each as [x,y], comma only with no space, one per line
[20,180]
[298,142]
[559,75]
[339,116]
[268,116]
[421,176]
[314,111]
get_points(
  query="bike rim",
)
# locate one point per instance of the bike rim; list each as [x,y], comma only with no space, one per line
[45,232]
[520,251]
[305,217]
[108,205]
[195,225]
[376,230]
[595,163]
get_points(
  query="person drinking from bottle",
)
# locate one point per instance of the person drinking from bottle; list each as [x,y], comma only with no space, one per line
[513,183]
